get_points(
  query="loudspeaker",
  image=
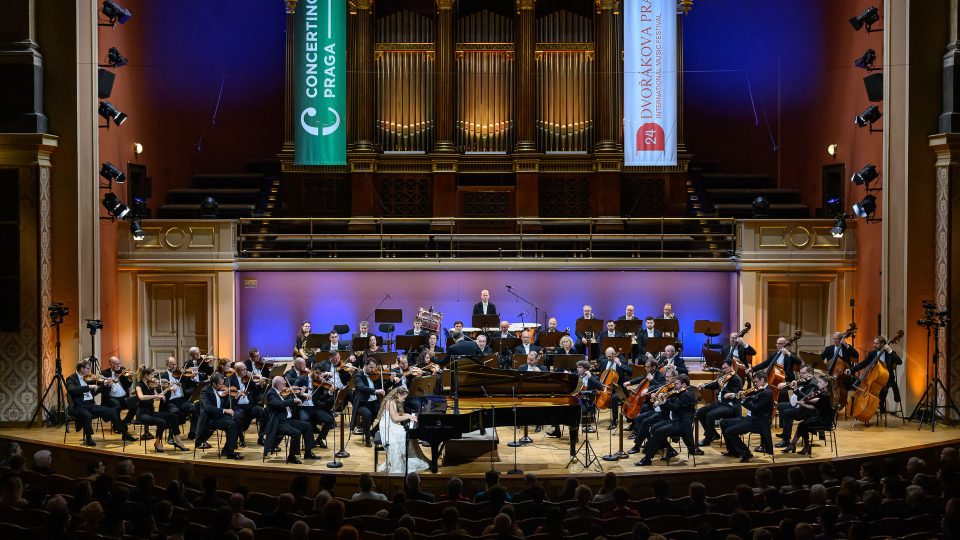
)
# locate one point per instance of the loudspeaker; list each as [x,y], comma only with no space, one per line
[105,83]
[874,85]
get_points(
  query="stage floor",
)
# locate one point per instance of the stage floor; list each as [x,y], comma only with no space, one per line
[546,456]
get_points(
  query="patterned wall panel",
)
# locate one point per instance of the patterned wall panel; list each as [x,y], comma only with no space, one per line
[642,196]
[564,197]
[326,196]
[405,197]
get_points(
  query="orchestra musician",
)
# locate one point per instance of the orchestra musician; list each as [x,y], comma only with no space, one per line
[433,345]
[367,398]
[84,409]
[821,402]
[708,415]
[484,306]
[335,343]
[457,327]
[628,314]
[783,358]
[250,392]
[526,345]
[656,378]
[613,360]
[611,332]
[337,371]
[760,406]
[182,384]
[373,347]
[364,331]
[649,330]
[203,365]
[680,410]
[670,358]
[418,329]
[297,370]
[839,350]
[891,360]
[533,364]
[402,374]
[737,349]
[428,364]
[299,350]
[316,403]
[504,330]
[588,392]
[282,420]
[117,394]
[152,411]
[551,327]
[645,421]
[668,314]
[586,341]
[802,386]
[482,345]
[219,414]
[257,365]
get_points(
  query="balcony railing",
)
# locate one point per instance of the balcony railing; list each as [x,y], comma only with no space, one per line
[486,238]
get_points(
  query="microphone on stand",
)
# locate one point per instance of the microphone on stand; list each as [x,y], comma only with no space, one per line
[509,287]
[388,296]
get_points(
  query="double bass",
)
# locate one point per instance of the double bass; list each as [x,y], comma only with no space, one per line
[738,366]
[775,374]
[838,370]
[866,397]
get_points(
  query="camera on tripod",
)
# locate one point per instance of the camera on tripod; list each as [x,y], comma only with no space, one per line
[94,324]
[57,312]
[932,317]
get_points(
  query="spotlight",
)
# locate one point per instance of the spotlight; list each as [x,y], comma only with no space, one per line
[866,207]
[761,207]
[867,18]
[113,205]
[115,59]
[209,208]
[139,207]
[839,227]
[865,175]
[117,13]
[834,207]
[108,171]
[870,115]
[109,112]
[136,230]
[866,60]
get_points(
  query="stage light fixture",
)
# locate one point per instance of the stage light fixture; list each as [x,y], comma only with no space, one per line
[839,226]
[866,207]
[834,207]
[108,171]
[137,230]
[868,18]
[833,149]
[870,115]
[137,148]
[761,207]
[113,205]
[115,59]
[109,112]
[115,12]
[209,208]
[866,60]
[865,175]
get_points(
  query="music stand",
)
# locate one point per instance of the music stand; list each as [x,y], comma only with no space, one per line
[504,345]
[584,326]
[711,329]
[388,315]
[519,360]
[629,326]
[549,340]
[712,359]
[491,361]
[667,326]
[317,341]
[385,358]
[361,343]
[813,359]
[656,345]
[485,322]
[409,343]
[566,362]
[624,344]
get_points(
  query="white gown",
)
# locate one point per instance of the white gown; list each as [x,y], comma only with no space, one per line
[394,438]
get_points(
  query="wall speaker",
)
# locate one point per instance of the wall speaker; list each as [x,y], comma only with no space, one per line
[105,83]
[874,85]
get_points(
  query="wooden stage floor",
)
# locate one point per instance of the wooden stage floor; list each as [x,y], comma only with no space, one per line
[546,456]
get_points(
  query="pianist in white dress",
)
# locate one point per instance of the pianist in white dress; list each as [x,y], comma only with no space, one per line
[394,436]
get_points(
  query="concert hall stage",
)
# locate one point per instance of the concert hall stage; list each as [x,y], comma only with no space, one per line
[546,457]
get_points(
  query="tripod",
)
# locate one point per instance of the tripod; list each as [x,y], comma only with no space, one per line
[589,455]
[929,401]
[57,412]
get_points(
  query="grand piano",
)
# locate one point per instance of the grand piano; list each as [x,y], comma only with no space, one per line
[485,393]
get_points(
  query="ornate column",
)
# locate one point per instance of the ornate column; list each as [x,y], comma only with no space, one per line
[363,75]
[286,153]
[608,62]
[21,69]
[950,114]
[526,71]
[444,46]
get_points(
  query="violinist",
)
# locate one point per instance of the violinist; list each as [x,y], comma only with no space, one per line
[282,420]
[82,387]
[427,364]
[820,401]
[367,396]
[117,392]
[737,349]
[337,371]
[759,404]
[203,365]
[258,366]
[614,362]
[802,386]
[403,373]
[728,383]
[526,345]
[152,409]
[680,409]
[644,422]
[181,388]
[248,399]
[219,413]
[299,350]
[781,357]
[670,358]
[297,370]
[317,403]
[885,353]
[840,350]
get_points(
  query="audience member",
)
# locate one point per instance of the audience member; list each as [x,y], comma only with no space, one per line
[740,524]
[661,504]
[450,522]
[796,481]
[583,508]
[698,500]
[10,449]
[605,493]
[238,520]
[532,490]
[414,493]
[11,496]
[299,530]
[367,489]
[763,478]
[490,478]
[454,491]
[209,498]
[569,489]
[282,515]
[43,462]
[95,469]
[125,472]
[554,524]
[828,475]
[818,496]
[620,498]
[745,498]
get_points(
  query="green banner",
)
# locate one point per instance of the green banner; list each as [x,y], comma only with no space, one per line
[320,83]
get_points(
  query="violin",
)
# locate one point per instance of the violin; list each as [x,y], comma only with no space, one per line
[290,391]
[188,373]
[748,392]
[94,378]
[320,381]
[231,391]
[721,380]
[661,398]
[261,363]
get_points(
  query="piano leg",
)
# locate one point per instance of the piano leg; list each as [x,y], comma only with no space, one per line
[434,457]
[574,428]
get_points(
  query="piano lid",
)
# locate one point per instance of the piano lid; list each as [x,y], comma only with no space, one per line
[478,380]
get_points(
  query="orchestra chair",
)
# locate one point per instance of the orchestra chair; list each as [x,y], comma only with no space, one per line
[199,435]
[276,443]
[772,454]
[342,329]
[70,418]
[830,435]
[143,442]
[885,412]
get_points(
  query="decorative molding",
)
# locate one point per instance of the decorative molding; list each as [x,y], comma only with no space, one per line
[607,5]
[445,5]
[291,6]
[188,240]
[404,47]
[525,5]
[768,242]
[563,47]
[508,47]
[405,197]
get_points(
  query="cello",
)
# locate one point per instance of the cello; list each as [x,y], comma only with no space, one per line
[775,374]
[608,379]
[631,409]
[866,397]
[837,370]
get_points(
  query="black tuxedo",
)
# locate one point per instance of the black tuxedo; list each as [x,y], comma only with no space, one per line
[605,335]
[252,408]
[846,353]
[127,401]
[791,413]
[760,406]
[364,407]
[278,424]
[678,363]
[708,415]
[319,413]
[742,352]
[181,405]
[85,410]
[251,368]
[537,368]
[891,360]
[679,421]
[215,418]
[519,348]
[642,340]
[463,347]
[423,332]
[789,362]
[491,309]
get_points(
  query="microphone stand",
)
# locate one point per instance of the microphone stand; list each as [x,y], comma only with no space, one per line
[386,296]
[493,420]
[515,443]
[536,308]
